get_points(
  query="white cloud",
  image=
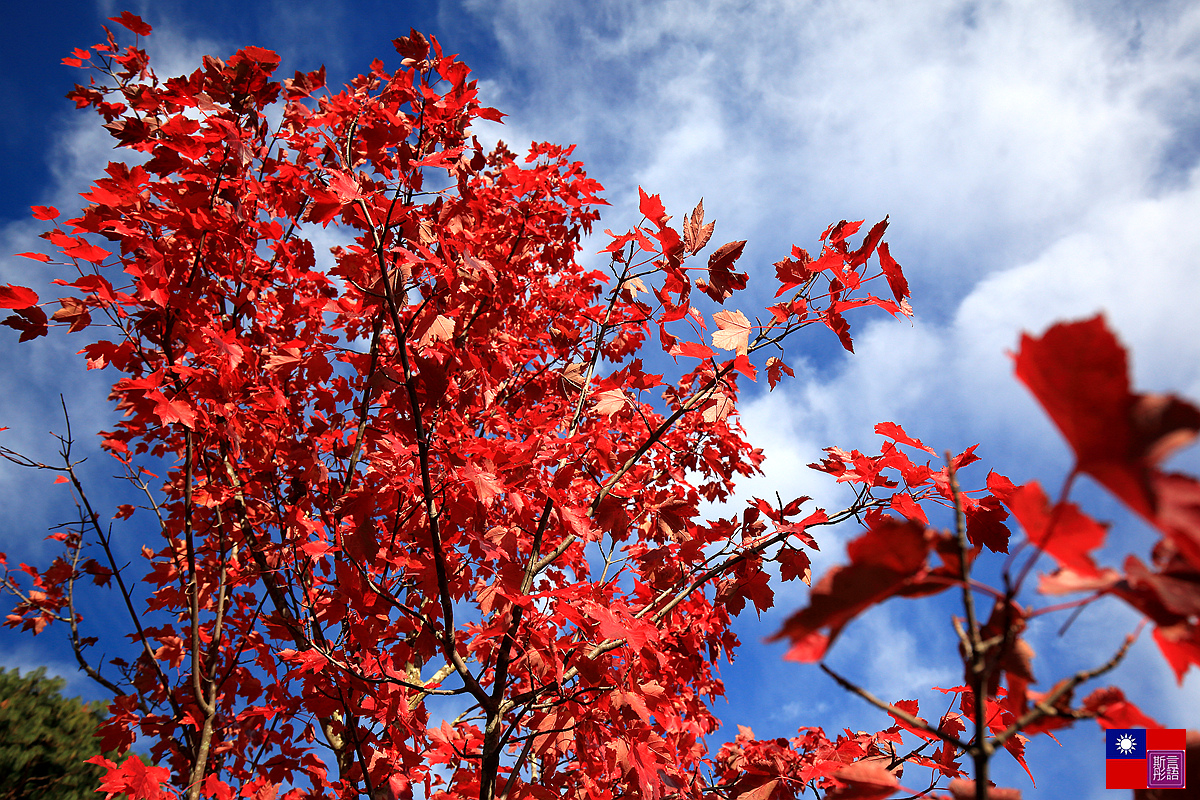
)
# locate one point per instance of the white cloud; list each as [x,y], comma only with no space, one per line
[986,129]
[953,384]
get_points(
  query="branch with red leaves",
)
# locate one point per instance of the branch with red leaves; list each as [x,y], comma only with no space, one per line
[410,462]
[1078,373]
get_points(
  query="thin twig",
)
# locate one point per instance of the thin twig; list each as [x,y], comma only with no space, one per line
[1045,707]
[898,713]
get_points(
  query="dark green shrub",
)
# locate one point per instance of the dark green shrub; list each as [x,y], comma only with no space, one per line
[45,738]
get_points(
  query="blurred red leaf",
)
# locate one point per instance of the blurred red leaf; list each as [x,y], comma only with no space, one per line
[961,789]
[1112,710]
[1079,373]
[865,780]
[1065,533]
[883,561]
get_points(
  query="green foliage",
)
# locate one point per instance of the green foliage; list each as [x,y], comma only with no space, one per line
[45,738]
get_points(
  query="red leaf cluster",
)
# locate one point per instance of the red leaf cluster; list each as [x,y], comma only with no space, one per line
[389,473]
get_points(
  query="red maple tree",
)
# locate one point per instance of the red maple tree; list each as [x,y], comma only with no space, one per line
[435,468]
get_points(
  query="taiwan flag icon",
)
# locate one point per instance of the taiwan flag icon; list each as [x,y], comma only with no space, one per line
[1136,758]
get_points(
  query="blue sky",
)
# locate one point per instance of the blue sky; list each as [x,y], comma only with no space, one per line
[1039,161]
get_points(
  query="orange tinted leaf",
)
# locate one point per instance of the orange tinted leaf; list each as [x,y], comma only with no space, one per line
[1065,581]
[691,226]
[73,311]
[718,409]
[696,232]
[610,402]
[726,254]
[733,331]
[440,330]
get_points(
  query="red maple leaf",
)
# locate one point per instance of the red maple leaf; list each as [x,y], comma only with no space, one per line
[894,431]
[17,297]
[1078,372]
[1064,532]
[133,22]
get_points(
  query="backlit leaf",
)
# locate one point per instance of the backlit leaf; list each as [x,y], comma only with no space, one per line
[733,331]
